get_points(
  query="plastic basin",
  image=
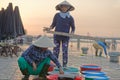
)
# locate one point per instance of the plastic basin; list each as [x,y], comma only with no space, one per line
[90,67]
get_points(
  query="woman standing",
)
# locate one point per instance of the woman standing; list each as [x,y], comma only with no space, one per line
[63,22]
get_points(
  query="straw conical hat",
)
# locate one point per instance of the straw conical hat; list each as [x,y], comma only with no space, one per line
[43,42]
[65,3]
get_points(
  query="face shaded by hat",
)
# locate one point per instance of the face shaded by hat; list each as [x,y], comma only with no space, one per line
[43,42]
[65,3]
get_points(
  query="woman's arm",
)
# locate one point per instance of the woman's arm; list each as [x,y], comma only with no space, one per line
[72,24]
[54,21]
[26,55]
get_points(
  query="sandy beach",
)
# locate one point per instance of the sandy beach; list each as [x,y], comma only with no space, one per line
[9,68]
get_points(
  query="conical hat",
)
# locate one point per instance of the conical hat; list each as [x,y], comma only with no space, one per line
[65,3]
[43,42]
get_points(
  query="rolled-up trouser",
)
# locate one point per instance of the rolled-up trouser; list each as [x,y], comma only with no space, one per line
[23,65]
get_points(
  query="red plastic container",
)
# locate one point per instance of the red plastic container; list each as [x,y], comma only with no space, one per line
[78,78]
[92,67]
[52,77]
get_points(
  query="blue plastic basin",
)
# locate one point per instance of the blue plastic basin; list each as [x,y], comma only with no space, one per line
[102,77]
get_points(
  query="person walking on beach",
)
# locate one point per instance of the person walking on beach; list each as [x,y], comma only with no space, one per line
[63,22]
[100,45]
[36,59]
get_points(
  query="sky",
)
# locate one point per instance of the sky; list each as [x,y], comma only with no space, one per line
[96,17]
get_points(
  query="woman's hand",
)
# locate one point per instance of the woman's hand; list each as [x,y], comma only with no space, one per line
[34,66]
[47,29]
[61,71]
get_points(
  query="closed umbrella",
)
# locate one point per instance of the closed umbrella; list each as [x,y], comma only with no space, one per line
[18,22]
[9,27]
[10,23]
[2,22]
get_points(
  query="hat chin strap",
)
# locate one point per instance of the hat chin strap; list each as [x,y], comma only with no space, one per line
[69,9]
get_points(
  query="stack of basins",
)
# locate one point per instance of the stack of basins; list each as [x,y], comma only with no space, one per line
[70,73]
[93,72]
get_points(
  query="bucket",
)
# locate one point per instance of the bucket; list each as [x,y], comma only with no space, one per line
[114,56]
[84,50]
[90,67]
[52,77]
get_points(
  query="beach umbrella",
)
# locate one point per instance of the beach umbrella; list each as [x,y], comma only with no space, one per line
[9,30]
[18,22]
[10,23]
[2,21]
[0,24]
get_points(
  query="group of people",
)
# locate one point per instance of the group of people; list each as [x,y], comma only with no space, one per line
[36,59]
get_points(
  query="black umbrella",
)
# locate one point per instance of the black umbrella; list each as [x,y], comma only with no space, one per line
[2,22]
[9,27]
[18,22]
[10,23]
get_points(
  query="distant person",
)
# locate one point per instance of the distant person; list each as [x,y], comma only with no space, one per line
[63,22]
[102,46]
[114,45]
[36,59]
